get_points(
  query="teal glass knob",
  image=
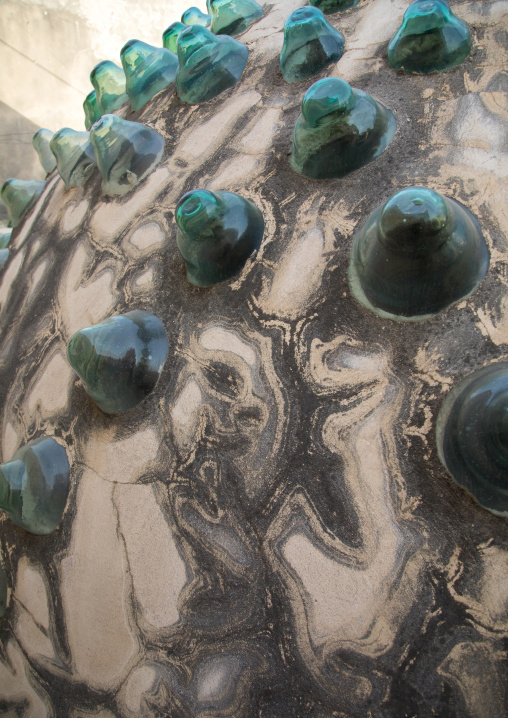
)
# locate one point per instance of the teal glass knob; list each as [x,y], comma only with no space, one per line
[310,44]
[34,485]
[430,39]
[417,254]
[208,64]
[5,238]
[170,35]
[231,17]
[75,157]
[19,196]
[339,130]
[148,70]
[217,233]
[331,6]
[125,152]
[472,436]
[109,83]
[194,16]
[91,108]
[120,359]
[4,256]
[3,592]
[40,142]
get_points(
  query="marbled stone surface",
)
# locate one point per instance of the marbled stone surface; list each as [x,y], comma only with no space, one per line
[271,534]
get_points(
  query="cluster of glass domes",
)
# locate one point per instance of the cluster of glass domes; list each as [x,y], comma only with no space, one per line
[417,253]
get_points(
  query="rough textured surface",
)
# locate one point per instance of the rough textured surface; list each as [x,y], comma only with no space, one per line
[270,534]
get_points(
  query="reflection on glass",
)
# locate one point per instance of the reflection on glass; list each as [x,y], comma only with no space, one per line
[34,485]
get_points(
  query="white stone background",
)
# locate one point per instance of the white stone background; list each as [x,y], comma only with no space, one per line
[47,49]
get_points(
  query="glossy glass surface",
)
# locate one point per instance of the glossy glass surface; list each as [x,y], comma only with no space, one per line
[34,485]
[75,156]
[5,238]
[194,16]
[40,142]
[4,256]
[109,83]
[120,359]
[126,152]
[3,592]
[170,35]
[331,6]
[217,233]
[310,44]
[91,108]
[417,254]
[148,70]
[340,129]
[430,39]
[19,195]
[472,436]
[231,17]
[208,65]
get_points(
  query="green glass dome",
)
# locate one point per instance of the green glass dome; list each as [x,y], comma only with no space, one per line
[217,233]
[472,436]
[339,130]
[194,16]
[109,83]
[332,6]
[231,17]
[148,70]
[41,144]
[417,254]
[19,196]
[310,44]
[126,152]
[34,485]
[170,35]
[120,359]
[208,65]
[74,156]
[430,39]
[91,108]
